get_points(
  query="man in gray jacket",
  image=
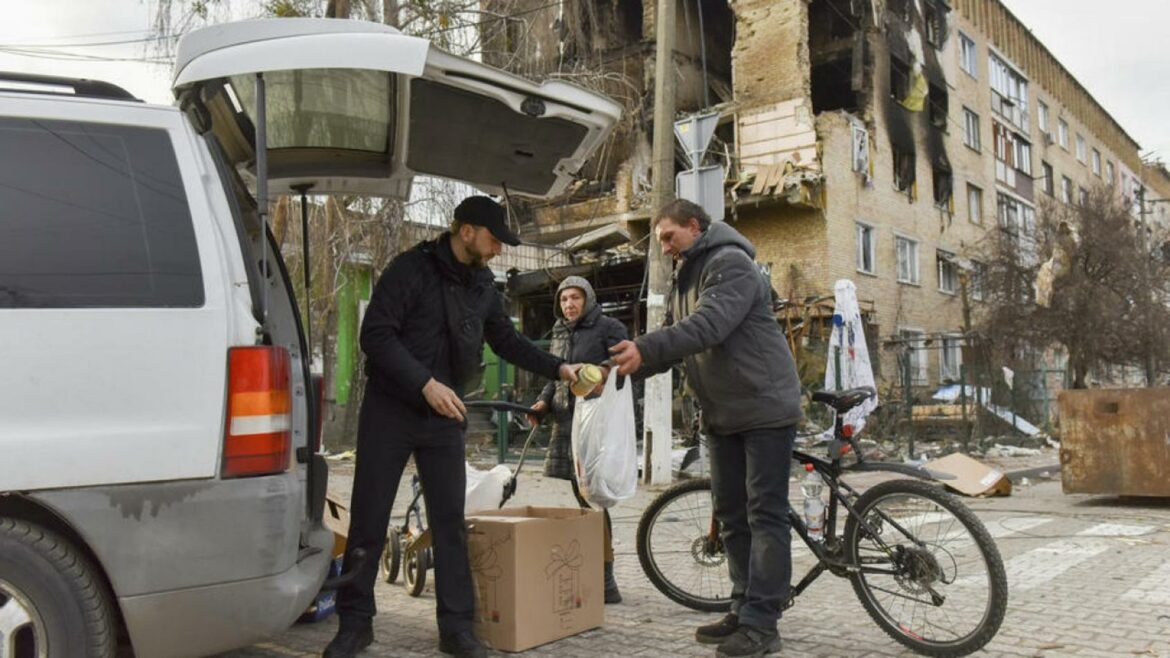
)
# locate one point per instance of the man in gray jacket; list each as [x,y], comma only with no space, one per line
[720,325]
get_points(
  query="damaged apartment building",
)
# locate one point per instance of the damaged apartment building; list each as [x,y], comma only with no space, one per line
[874,140]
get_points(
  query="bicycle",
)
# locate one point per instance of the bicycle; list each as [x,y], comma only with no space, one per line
[915,554]
[408,545]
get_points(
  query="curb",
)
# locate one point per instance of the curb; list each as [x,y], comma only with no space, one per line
[1053,471]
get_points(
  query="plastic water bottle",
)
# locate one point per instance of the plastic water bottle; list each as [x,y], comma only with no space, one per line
[814,507]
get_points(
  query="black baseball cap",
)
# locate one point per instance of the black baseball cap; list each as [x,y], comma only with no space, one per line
[482,211]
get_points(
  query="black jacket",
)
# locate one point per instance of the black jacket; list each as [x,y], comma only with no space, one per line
[587,342]
[737,359]
[428,317]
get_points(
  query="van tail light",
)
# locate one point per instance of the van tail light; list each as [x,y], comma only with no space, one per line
[258,430]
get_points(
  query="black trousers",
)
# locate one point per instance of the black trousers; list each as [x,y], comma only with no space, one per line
[749,481]
[387,437]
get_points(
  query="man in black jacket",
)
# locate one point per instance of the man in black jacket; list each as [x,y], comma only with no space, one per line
[741,371]
[423,337]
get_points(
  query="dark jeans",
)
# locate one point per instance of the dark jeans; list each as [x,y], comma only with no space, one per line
[385,442]
[749,482]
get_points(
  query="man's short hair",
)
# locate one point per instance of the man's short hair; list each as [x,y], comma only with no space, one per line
[680,211]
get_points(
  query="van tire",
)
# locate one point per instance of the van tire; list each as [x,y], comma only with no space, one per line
[69,603]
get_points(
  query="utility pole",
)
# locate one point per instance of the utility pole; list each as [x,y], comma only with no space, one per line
[656,440]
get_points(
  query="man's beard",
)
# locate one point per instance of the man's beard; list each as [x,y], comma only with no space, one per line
[476,258]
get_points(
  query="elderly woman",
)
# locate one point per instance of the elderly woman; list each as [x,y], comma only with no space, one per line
[582,334]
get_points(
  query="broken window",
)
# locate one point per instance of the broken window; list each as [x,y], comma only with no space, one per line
[901,9]
[1009,93]
[832,86]
[860,148]
[705,46]
[903,170]
[935,19]
[938,107]
[835,55]
[899,78]
[943,188]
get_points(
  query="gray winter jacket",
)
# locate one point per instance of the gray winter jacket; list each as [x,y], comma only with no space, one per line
[737,360]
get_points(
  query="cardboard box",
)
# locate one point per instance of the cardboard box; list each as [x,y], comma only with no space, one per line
[971,477]
[336,519]
[538,574]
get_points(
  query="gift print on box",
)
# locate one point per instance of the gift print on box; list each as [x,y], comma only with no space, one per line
[563,569]
[485,565]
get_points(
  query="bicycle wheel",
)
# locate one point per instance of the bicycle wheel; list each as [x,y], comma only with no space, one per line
[678,551]
[930,576]
[414,570]
[391,557]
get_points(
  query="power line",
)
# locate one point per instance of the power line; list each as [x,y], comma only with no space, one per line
[91,44]
[75,57]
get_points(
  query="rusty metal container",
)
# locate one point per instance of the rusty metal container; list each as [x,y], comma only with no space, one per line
[1115,441]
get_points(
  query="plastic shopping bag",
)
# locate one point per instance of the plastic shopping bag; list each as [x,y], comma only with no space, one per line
[485,489]
[604,454]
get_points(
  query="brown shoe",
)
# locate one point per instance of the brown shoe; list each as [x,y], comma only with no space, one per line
[719,631]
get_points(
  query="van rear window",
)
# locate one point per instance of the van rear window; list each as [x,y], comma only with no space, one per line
[93,215]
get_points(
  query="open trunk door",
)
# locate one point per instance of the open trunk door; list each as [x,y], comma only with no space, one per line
[358,108]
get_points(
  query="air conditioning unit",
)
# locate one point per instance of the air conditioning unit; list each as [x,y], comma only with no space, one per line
[1048,138]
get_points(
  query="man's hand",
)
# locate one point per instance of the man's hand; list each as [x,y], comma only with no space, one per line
[443,400]
[627,357]
[568,372]
[536,411]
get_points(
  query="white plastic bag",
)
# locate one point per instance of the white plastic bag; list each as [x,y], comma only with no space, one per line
[604,454]
[485,489]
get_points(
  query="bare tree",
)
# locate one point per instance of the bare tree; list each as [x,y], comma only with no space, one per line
[1100,294]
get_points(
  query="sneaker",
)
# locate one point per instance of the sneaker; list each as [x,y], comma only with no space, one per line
[462,644]
[750,641]
[719,631]
[350,639]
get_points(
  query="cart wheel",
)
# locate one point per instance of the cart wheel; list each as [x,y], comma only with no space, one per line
[391,557]
[414,570]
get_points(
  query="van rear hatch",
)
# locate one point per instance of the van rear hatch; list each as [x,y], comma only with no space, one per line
[359,108]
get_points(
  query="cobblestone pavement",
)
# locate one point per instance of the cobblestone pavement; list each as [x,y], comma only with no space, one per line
[1088,576]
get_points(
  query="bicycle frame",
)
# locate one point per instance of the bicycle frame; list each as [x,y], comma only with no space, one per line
[829,550]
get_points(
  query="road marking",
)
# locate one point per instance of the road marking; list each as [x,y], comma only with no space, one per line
[1154,588]
[1040,565]
[1117,530]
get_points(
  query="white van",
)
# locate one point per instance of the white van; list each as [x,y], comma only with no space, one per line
[159,480]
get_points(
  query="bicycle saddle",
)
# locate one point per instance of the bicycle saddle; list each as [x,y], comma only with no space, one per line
[843,401]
